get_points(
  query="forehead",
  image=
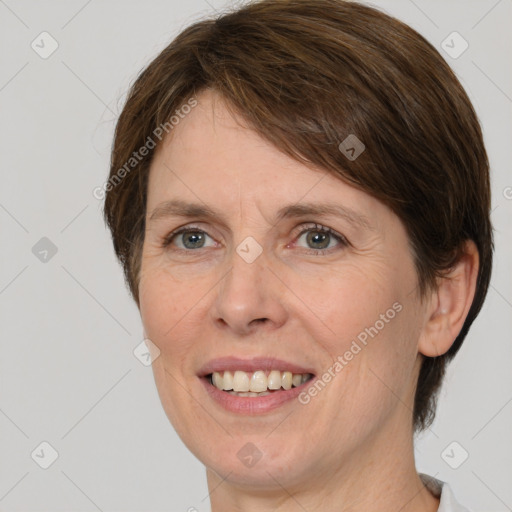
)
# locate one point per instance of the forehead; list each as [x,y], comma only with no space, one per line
[213,157]
[212,142]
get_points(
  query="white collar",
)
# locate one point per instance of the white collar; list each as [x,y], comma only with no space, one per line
[447,502]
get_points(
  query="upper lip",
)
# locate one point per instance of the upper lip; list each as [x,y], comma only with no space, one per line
[251,365]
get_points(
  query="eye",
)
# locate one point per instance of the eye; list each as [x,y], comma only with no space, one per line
[319,238]
[189,237]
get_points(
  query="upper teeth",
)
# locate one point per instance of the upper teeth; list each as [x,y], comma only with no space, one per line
[257,381]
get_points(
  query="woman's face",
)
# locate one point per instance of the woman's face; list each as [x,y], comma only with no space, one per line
[257,286]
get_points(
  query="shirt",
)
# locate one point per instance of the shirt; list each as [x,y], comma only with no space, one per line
[442,490]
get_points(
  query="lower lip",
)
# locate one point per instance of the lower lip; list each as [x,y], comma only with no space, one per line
[253,404]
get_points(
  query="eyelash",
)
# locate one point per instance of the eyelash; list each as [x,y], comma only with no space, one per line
[304,229]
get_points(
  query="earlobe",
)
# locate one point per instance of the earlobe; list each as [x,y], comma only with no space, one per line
[449,304]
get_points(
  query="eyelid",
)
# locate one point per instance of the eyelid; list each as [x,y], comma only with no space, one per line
[308,226]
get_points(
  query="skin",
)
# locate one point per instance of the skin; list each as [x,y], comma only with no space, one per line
[338,451]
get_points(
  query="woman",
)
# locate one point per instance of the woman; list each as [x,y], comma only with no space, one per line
[253,144]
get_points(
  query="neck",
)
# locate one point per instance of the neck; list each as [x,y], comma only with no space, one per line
[378,475]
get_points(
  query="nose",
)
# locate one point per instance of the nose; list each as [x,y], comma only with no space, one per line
[248,296]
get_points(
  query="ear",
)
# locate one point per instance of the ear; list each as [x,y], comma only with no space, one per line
[449,305]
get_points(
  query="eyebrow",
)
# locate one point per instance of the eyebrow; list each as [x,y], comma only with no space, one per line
[180,208]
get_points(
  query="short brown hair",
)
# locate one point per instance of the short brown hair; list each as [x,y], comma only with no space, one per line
[305,74]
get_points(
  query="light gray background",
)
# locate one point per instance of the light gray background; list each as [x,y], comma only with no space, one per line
[68,327]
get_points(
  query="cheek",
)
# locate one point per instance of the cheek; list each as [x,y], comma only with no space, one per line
[369,320]
[167,308]
[164,302]
[164,305]
[341,303]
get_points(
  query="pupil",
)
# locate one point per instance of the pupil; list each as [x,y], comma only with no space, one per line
[196,240]
[319,238]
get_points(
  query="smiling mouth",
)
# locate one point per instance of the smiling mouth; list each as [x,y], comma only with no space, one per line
[258,383]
